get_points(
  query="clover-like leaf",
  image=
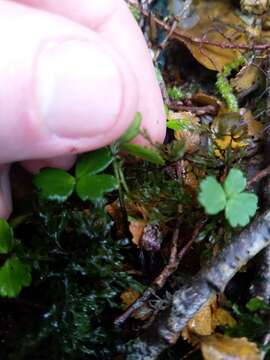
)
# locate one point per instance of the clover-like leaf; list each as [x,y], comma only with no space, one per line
[93,162]
[133,129]
[240,208]
[234,183]
[55,184]
[212,196]
[6,237]
[93,187]
[144,153]
[14,274]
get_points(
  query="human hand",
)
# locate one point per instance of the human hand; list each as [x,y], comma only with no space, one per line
[72,75]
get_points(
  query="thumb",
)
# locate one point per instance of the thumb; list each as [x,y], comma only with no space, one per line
[63,89]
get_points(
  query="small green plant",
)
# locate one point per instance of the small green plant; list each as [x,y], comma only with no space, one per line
[79,274]
[151,155]
[252,321]
[256,303]
[14,274]
[144,153]
[55,184]
[175,93]
[180,124]
[239,205]
[89,184]
[223,85]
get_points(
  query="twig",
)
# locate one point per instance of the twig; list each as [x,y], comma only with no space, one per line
[188,300]
[188,245]
[169,35]
[163,44]
[197,110]
[172,264]
[259,176]
[170,268]
[178,34]
[158,282]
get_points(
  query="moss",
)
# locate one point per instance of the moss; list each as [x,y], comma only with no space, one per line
[77,279]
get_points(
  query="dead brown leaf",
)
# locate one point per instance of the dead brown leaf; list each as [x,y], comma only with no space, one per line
[143,313]
[230,130]
[201,323]
[220,347]
[190,135]
[128,297]
[219,23]
[203,99]
[206,320]
[137,229]
[246,79]
[222,317]
[191,175]
[255,127]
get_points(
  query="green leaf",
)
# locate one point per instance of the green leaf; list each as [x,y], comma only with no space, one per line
[212,196]
[235,182]
[133,129]
[256,304]
[55,184]
[175,93]
[240,208]
[14,274]
[93,162]
[144,153]
[179,124]
[6,237]
[93,187]
[175,150]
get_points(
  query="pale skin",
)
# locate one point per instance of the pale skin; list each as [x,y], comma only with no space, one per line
[72,75]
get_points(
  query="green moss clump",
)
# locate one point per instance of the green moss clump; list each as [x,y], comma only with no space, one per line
[78,277]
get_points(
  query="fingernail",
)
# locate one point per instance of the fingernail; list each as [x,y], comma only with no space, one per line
[79,89]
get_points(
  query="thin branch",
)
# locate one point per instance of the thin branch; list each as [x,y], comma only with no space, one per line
[172,264]
[182,36]
[188,300]
[157,283]
[259,176]
[169,35]
[197,110]
[170,268]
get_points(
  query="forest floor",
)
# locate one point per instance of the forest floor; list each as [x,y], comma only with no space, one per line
[163,253]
